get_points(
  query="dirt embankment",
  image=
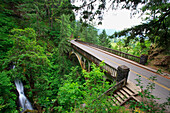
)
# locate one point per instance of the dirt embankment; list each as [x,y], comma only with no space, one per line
[159,59]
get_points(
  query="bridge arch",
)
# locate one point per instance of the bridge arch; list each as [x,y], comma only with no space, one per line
[79,57]
[84,63]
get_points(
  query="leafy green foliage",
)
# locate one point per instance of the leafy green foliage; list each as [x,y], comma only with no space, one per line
[7,99]
[7,22]
[149,101]
[134,47]
[70,95]
[30,63]
[77,96]
[94,87]
[33,51]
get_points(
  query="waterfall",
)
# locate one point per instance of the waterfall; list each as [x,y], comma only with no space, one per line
[23,101]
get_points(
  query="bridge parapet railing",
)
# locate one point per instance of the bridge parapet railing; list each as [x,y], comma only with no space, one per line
[122,54]
[111,70]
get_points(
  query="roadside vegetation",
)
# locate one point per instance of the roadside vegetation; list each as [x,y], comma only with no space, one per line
[134,48]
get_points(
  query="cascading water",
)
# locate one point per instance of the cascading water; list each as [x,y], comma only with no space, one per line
[24,102]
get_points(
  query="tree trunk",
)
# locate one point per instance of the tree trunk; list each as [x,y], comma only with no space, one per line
[48,13]
[52,15]
[38,23]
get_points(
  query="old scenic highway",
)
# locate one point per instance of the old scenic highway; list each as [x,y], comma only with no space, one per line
[162,84]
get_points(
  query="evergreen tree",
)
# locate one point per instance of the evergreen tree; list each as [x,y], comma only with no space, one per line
[63,43]
[65,34]
[104,40]
[88,33]
[8,98]
[7,22]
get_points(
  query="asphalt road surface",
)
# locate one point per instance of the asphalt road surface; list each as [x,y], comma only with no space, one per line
[162,84]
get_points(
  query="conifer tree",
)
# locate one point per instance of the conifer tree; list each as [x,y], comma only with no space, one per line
[104,40]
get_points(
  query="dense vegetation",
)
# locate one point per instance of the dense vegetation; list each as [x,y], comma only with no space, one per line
[134,47]
[34,37]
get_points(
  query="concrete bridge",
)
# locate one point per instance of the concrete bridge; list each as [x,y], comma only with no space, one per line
[85,58]
[120,68]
